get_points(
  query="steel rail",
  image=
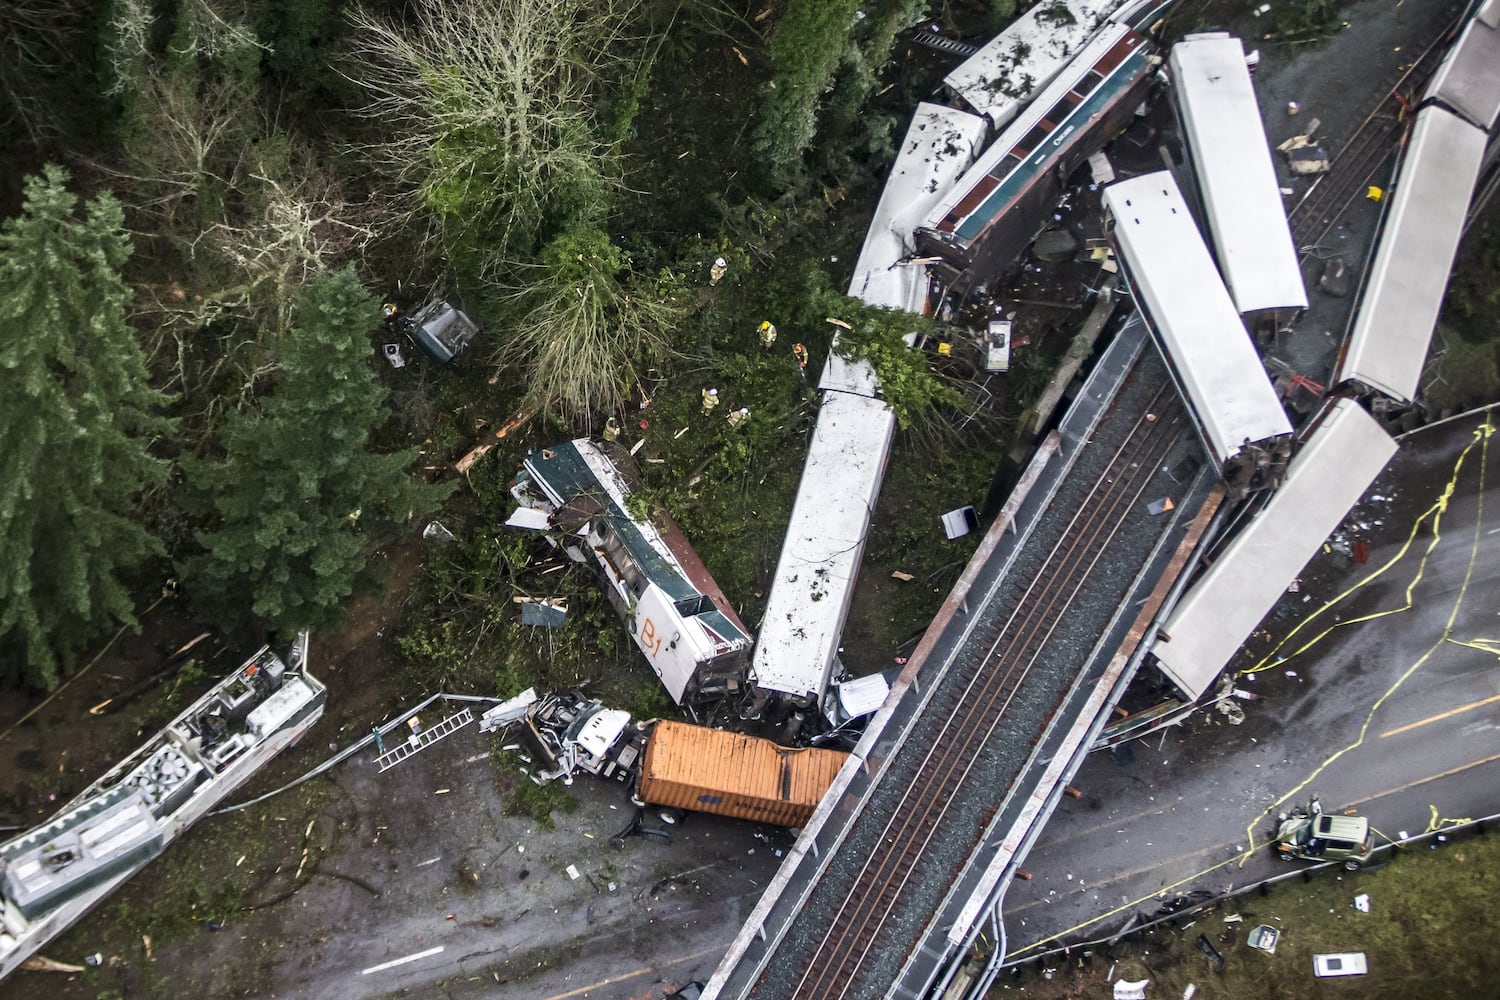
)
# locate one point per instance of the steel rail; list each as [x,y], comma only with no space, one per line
[946,765]
[1367,149]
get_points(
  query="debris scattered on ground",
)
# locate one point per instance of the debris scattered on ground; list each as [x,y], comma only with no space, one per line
[41,963]
[1334,280]
[1305,156]
[958,523]
[1347,963]
[1128,990]
[542,613]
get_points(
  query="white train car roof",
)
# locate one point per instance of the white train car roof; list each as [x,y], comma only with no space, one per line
[1404,289]
[940,144]
[841,374]
[825,541]
[1011,161]
[1348,449]
[1241,196]
[1190,310]
[1001,77]
[1468,80]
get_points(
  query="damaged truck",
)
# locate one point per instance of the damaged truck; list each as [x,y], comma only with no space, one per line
[677,766]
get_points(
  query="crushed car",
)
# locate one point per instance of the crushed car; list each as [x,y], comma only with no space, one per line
[438,329]
[1307,833]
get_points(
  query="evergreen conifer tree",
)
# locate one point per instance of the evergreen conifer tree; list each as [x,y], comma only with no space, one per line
[299,500]
[78,417]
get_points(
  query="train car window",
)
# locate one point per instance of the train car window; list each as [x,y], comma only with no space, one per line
[691,607]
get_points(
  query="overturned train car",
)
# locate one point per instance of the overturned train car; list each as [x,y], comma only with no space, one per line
[1004,200]
[677,615]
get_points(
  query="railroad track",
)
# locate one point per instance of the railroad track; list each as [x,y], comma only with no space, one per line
[1370,148]
[992,684]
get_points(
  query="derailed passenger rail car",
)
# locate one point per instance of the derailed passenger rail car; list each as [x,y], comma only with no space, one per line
[1468,80]
[1408,276]
[676,613]
[1345,450]
[1000,204]
[1226,145]
[1001,77]
[1207,349]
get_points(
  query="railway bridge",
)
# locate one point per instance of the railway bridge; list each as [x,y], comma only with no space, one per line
[895,877]
[897,881]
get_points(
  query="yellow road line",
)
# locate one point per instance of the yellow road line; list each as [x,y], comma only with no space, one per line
[1422,781]
[1440,716]
[1160,893]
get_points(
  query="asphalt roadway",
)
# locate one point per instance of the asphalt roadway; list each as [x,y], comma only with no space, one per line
[1377,687]
[428,884]
[477,901]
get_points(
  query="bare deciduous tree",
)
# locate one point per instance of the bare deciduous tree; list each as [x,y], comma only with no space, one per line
[252,216]
[487,117]
[36,41]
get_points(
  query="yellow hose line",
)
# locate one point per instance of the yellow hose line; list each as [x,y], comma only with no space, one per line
[1482,438]
[1491,646]
[1435,823]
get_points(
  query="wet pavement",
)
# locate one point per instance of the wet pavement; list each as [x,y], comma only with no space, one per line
[426,882]
[1392,713]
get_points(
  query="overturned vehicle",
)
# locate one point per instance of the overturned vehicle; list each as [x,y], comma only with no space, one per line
[676,766]
[678,617]
[438,329]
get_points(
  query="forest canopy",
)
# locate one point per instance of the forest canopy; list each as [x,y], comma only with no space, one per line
[212,198]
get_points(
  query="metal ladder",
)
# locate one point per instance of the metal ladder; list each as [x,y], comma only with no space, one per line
[424,739]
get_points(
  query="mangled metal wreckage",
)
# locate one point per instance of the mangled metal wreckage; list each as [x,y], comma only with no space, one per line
[677,615]
[54,873]
[675,766]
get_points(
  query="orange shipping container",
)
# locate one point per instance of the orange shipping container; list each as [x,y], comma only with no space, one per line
[709,770]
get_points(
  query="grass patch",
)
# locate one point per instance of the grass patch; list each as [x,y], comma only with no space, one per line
[1429,932]
[1461,374]
[538,802]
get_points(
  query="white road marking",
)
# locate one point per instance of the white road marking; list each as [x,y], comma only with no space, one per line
[477,756]
[401,961]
